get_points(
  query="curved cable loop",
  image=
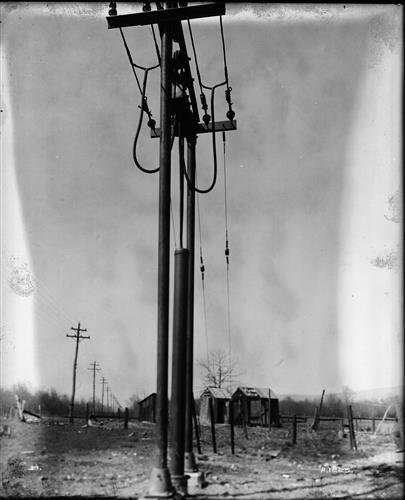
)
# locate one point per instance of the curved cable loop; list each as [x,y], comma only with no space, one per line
[214,148]
[144,108]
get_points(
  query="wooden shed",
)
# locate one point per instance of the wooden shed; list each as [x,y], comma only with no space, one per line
[251,406]
[147,408]
[220,401]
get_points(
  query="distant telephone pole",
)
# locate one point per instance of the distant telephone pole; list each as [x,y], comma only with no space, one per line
[94,369]
[78,338]
[108,399]
[103,382]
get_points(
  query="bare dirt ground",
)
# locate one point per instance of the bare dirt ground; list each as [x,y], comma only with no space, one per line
[49,460]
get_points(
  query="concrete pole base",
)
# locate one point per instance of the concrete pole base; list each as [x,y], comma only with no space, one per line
[180,485]
[196,480]
[160,484]
[190,464]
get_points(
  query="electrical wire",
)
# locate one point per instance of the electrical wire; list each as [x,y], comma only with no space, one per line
[143,109]
[156,44]
[174,228]
[195,56]
[224,52]
[202,269]
[214,149]
[227,250]
[130,60]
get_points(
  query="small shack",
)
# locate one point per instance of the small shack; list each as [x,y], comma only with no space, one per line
[147,408]
[220,401]
[251,406]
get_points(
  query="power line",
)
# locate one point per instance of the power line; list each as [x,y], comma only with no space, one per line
[94,369]
[78,338]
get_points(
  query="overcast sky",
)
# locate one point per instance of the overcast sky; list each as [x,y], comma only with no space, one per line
[310,171]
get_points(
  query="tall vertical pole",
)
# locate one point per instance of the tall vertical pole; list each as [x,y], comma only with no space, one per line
[102,395]
[189,459]
[160,478]
[178,403]
[94,369]
[72,401]
[78,337]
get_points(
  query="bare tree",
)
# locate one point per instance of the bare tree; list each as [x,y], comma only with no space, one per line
[218,370]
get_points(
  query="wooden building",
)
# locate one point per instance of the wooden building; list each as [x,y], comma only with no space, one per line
[251,406]
[220,401]
[147,408]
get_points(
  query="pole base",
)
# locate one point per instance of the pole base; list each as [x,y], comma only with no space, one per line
[160,485]
[180,485]
[190,464]
[196,481]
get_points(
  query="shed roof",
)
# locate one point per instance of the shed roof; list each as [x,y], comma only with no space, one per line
[147,397]
[254,392]
[217,393]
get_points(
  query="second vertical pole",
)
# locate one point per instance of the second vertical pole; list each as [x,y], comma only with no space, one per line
[160,484]
[189,458]
[177,406]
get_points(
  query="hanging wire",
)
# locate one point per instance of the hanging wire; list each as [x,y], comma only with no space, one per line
[156,44]
[144,104]
[144,108]
[227,249]
[214,149]
[174,228]
[202,269]
[206,117]
[195,56]
[130,60]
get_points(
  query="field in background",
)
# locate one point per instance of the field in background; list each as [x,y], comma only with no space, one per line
[53,458]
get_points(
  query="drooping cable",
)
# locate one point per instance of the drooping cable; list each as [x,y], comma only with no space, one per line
[156,44]
[202,269]
[230,114]
[227,250]
[144,104]
[143,107]
[214,149]
[195,56]
[224,52]
[174,227]
[131,62]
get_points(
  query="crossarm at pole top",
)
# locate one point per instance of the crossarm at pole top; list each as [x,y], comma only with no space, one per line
[221,126]
[166,15]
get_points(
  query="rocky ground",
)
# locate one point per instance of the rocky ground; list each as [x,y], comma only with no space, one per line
[56,459]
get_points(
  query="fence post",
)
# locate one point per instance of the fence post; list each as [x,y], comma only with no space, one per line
[126,418]
[232,428]
[294,429]
[211,406]
[196,429]
[353,444]
[400,419]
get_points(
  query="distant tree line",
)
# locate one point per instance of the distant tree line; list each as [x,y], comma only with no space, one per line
[49,402]
[335,406]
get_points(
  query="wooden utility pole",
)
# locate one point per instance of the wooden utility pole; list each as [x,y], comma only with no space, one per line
[78,338]
[169,20]
[94,369]
[107,398]
[103,383]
